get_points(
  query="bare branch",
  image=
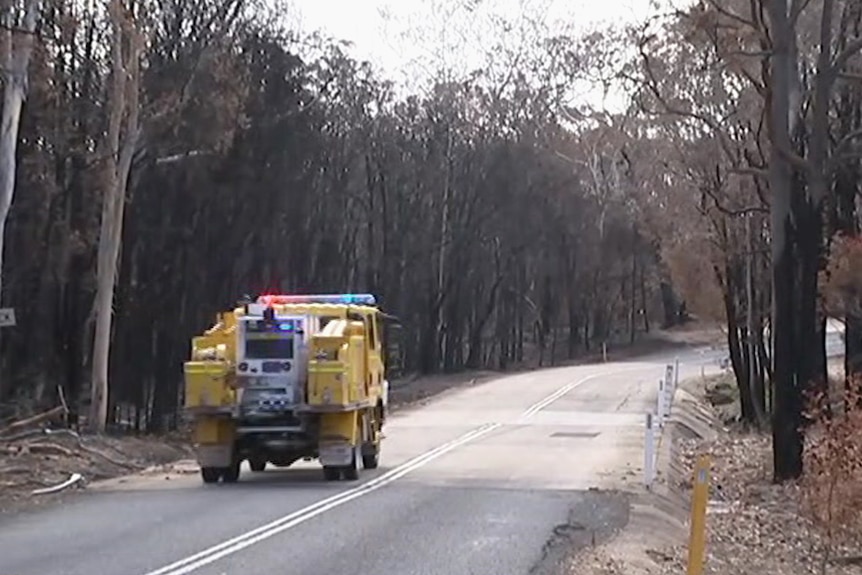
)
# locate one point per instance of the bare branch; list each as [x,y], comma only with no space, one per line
[853,47]
[719,7]
[796,10]
[753,172]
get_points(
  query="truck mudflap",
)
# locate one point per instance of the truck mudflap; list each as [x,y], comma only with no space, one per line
[336,454]
[337,408]
[214,455]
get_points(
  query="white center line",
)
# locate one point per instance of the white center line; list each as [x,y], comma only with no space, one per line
[540,405]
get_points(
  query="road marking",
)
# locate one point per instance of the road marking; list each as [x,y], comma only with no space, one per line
[240,542]
[540,405]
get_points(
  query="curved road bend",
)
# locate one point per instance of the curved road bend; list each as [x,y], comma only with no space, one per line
[478,481]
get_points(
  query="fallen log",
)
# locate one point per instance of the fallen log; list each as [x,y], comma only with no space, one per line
[18,449]
[73,479]
[23,435]
[107,457]
[50,449]
[34,420]
[35,432]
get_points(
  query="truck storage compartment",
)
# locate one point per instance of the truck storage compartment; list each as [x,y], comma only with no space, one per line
[328,384]
[207,385]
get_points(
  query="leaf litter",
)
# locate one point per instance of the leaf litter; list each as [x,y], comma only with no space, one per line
[754,526]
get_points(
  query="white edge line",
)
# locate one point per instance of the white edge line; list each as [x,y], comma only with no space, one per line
[329,502]
[211,555]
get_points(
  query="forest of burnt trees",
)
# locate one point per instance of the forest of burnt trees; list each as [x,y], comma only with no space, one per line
[174,155]
[240,167]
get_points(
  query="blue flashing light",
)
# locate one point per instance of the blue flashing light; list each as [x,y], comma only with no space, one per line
[347,298]
[358,298]
[286,326]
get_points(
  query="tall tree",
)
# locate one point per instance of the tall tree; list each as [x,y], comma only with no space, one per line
[787,439]
[116,152]
[16,47]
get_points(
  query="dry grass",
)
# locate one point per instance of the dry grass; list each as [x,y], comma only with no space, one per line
[754,526]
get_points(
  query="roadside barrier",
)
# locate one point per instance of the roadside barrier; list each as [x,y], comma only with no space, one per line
[655,421]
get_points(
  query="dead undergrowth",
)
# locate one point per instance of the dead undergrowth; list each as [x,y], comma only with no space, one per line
[35,460]
[754,526]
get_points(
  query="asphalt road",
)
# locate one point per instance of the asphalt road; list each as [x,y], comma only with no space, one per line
[480,481]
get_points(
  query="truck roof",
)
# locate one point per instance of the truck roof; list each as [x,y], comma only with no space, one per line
[319,309]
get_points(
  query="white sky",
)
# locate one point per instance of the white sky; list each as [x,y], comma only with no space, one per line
[398,37]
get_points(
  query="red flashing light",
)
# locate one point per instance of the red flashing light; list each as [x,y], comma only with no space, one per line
[355,299]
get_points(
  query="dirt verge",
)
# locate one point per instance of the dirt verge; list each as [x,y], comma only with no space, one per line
[648,544]
[753,526]
[47,460]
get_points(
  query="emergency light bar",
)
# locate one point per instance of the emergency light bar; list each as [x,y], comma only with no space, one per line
[345,298]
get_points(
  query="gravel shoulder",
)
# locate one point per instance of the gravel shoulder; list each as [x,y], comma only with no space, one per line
[753,526]
[651,542]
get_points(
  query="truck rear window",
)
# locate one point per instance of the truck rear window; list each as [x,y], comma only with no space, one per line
[269,348]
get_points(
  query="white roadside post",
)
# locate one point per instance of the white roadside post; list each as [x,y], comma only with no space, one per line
[660,404]
[675,373]
[668,397]
[649,452]
[669,388]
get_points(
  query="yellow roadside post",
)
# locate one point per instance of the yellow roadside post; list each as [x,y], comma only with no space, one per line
[699,498]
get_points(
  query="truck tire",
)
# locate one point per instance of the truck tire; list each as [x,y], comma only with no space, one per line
[257,465]
[230,474]
[331,473]
[351,471]
[210,474]
[371,460]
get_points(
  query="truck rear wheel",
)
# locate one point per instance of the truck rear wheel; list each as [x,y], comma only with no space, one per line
[351,471]
[371,458]
[230,474]
[210,474]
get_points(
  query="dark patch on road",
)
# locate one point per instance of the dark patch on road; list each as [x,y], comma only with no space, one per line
[576,434]
[594,518]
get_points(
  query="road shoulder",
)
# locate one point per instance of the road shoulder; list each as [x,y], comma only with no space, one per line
[652,541]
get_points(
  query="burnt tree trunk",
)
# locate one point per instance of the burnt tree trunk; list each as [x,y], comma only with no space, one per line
[786,434]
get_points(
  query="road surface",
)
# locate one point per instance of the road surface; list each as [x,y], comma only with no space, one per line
[482,480]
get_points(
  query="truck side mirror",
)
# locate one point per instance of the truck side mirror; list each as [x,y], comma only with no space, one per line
[393,349]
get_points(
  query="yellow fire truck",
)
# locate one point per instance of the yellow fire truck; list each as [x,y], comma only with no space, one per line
[289,377]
